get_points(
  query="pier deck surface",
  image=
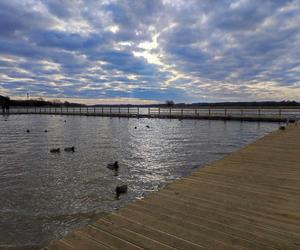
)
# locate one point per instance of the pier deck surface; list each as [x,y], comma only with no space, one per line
[247,200]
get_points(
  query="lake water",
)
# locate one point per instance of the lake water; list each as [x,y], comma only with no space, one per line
[44,196]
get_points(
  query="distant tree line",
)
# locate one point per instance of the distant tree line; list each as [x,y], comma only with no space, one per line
[243,104]
[39,102]
[170,103]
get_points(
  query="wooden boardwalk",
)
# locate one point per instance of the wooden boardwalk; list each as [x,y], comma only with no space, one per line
[280,114]
[247,200]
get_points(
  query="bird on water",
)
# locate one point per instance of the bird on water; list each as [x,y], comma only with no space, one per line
[113,166]
[55,150]
[282,127]
[121,190]
[70,149]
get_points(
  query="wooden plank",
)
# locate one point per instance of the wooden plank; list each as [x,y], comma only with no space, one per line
[173,227]
[108,239]
[210,232]
[60,245]
[131,236]
[153,233]
[203,219]
[79,241]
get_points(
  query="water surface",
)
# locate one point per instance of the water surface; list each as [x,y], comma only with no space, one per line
[44,196]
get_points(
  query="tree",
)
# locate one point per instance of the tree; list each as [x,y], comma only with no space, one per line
[170,103]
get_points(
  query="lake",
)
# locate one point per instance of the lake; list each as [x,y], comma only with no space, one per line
[44,196]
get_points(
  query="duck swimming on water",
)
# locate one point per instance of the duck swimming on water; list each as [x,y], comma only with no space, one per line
[121,190]
[113,166]
[282,127]
[55,150]
[70,149]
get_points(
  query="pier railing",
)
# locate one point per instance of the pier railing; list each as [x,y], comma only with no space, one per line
[241,113]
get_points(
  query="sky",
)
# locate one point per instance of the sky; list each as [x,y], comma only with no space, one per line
[150,51]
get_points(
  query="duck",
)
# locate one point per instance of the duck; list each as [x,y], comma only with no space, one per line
[121,190]
[28,131]
[45,130]
[70,149]
[147,126]
[282,127]
[55,150]
[135,127]
[113,166]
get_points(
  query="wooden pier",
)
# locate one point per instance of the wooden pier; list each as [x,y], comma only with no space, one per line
[278,114]
[247,200]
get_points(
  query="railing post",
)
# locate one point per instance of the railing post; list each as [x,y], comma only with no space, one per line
[138,111]
[119,110]
[259,112]
[110,111]
[128,111]
[159,111]
[102,110]
[87,110]
[242,112]
[73,110]
[209,112]
[170,112]
[181,111]
[148,110]
[225,112]
[279,113]
[95,110]
[196,114]
[80,110]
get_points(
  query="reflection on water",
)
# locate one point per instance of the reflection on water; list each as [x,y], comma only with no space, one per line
[43,195]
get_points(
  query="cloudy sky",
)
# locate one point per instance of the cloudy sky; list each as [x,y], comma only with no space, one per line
[138,51]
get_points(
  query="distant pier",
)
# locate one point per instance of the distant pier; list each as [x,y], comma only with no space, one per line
[247,200]
[280,114]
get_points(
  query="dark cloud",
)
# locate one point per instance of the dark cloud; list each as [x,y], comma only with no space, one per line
[67,41]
